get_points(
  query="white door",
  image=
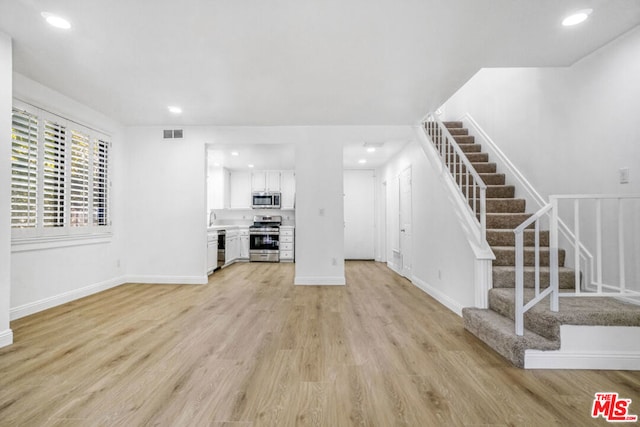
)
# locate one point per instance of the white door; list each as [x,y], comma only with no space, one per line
[405,222]
[359,214]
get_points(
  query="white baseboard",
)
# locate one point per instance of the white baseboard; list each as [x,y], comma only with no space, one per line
[43,304]
[590,347]
[536,359]
[321,280]
[6,338]
[438,296]
[395,268]
[169,280]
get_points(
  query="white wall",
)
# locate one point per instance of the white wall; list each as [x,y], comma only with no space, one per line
[569,130]
[45,277]
[443,262]
[319,211]
[359,214]
[6,336]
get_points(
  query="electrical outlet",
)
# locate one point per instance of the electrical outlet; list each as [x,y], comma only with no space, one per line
[624,175]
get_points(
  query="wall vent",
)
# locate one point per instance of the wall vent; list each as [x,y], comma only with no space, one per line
[172,134]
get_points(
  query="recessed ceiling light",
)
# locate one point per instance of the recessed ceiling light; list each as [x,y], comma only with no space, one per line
[362,161]
[250,166]
[216,164]
[56,21]
[576,18]
[371,150]
[175,110]
[235,153]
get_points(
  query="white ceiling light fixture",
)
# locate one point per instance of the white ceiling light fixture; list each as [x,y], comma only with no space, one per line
[371,149]
[251,166]
[362,161]
[235,153]
[56,21]
[174,109]
[577,17]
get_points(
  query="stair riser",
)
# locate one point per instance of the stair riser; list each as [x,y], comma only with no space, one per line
[479,167]
[548,328]
[507,257]
[507,279]
[506,221]
[503,206]
[508,238]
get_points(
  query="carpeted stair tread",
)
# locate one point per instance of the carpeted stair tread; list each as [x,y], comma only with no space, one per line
[501,220]
[464,139]
[506,237]
[452,124]
[590,311]
[498,332]
[470,148]
[506,255]
[484,167]
[504,276]
[458,131]
[478,157]
[487,178]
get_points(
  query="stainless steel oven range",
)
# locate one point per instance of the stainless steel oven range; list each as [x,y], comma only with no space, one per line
[264,238]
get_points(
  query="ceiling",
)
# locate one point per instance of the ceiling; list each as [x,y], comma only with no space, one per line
[283,62]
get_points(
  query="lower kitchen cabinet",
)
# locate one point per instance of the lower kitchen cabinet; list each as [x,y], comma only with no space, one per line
[287,243]
[244,244]
[232,246]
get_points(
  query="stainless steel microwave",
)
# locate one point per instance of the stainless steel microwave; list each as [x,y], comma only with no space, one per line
[265,200]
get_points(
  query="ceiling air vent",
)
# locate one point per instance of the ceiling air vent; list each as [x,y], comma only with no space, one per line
[170,134]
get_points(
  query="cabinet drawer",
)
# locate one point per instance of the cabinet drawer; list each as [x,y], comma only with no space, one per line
[286,239]
[286,255]
[284,232]
[286,246]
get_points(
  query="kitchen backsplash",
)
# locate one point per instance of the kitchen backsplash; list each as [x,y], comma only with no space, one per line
[245,216]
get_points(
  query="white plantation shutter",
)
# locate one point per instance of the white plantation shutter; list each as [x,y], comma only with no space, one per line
[100,182]
[24,169]
[59,178]
[79,182]
[53,171]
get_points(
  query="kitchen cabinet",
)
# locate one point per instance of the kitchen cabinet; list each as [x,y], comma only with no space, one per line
[240,188]
[244,243]
[288,189]
[212,251]
[232,246]
[265,181]
[287,243]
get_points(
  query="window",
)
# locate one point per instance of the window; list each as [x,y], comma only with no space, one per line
[59,176]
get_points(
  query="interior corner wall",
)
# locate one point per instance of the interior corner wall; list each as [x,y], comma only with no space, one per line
[319,211]
[6,336]
[569,130]
[43,277]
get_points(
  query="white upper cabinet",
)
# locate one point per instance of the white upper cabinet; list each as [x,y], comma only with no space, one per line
[265,181]
[288,189]
[240,197]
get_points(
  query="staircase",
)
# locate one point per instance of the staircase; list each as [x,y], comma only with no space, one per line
[495,325]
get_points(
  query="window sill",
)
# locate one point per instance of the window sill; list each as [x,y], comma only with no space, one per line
[25,244]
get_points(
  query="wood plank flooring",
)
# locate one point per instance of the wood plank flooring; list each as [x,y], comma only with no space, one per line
[252,349]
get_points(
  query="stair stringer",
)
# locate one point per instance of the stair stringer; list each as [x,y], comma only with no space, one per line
[484,256]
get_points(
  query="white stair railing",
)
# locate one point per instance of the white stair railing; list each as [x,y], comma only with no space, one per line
[461,170]
[520,307]
[604,274]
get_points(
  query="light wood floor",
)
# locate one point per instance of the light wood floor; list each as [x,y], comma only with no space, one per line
[250,349]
